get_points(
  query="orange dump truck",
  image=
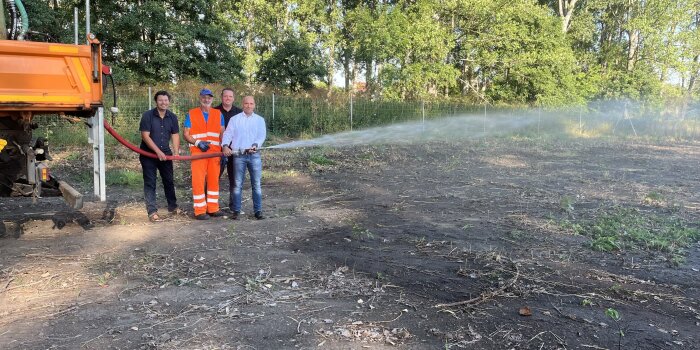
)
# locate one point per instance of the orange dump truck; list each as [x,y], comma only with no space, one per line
[48,78]
[38,78]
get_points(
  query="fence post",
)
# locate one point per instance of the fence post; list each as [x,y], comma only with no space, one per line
[272,125]
[75,24]
[149,98]
[351,111]
[484,119]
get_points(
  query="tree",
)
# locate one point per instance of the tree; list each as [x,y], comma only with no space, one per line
[255,29]
[407,45]
[164,40]
[565,9]
[319,22]
[515,52]
[293,65]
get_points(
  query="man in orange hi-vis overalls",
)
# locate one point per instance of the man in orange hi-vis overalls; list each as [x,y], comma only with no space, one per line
[203,128]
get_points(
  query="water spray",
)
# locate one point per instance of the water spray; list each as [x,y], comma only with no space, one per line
[444,129]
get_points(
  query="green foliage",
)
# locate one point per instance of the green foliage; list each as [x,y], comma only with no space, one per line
[615,316]
[320,159]
[586,302]
[361,233]
[624,228]
[566,204]
[124,177]
[157,41]
[294,65]
[522,52]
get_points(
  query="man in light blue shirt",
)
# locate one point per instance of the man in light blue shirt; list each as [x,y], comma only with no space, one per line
[245,134]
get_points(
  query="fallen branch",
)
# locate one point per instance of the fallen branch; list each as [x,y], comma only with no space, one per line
[26,285]
[298,323]
[486,295]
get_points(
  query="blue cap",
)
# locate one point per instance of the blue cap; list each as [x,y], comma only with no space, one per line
[206,92]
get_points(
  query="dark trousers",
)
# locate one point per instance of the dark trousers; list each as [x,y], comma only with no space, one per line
[150,166]
[231,178]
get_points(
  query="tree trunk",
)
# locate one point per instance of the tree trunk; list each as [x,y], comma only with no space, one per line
[694,75]
[346,70]
[331,72]
[466,79]
[566,11]
[369,73]
[632,49]
[633,35]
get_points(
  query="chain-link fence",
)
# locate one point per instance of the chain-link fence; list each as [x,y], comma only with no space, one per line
[305,117]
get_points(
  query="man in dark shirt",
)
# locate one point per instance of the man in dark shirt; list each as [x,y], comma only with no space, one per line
[228,110]
[159,127]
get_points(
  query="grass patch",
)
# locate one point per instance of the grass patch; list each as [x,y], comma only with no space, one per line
[654,198]
[359,232]
[276,175]
[625,228]
[124,177]
[566,204]
[74,156]
[320,159]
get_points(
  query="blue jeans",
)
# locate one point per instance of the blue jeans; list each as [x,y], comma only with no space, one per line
[252,162]
[228,168]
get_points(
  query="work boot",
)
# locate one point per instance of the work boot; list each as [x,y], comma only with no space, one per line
[259,215]
[216,214]
[234,215]
[202,217]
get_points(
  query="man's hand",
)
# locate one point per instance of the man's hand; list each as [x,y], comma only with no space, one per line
[227,151]
[161,155]
[253,148]
[202,145]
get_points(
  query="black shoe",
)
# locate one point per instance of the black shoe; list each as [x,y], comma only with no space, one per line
[202,217]
[234,215]
[259,215]
[216,214]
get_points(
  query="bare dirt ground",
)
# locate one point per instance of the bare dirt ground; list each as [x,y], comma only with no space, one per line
[438,246]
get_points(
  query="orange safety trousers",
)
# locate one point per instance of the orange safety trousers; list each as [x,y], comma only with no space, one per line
[205,171]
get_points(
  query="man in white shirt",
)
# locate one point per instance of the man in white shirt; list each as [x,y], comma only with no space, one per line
[246,133]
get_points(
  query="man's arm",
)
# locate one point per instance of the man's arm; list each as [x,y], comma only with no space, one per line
[260,133]
[144,127]
[175,139]
[186,130]
[227,138]
[146,137]
[223,128]
[186,135]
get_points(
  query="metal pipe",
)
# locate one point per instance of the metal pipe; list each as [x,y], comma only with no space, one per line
[75,24]
[87,19]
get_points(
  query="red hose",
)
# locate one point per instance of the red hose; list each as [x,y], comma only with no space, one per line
[153,155]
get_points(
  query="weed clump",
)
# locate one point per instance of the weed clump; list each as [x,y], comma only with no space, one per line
[627,228]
